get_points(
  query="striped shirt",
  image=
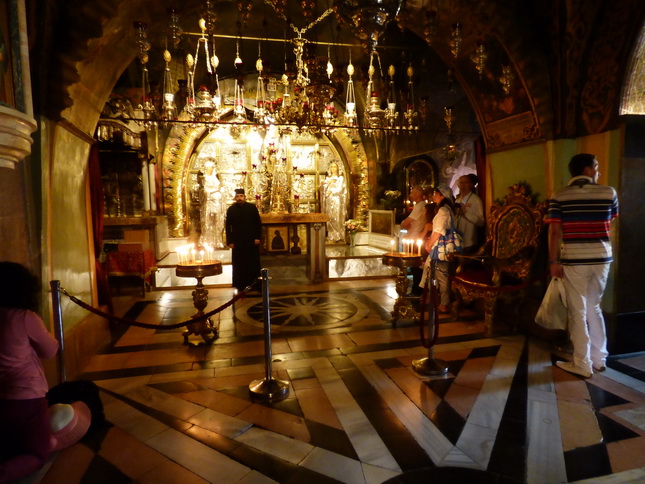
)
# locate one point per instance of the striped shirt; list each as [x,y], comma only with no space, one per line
[585,210]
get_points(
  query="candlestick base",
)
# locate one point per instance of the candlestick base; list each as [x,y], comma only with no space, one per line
[430,366]
[269,390]
[205,328]
[403,308]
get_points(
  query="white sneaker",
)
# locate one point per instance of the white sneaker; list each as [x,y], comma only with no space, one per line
[572,368]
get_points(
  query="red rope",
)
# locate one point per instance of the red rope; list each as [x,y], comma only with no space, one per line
[129,322]
[510,287]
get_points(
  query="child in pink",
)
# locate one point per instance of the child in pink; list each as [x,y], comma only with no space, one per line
[24,418]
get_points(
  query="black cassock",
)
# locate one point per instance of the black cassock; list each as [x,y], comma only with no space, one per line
[243,227]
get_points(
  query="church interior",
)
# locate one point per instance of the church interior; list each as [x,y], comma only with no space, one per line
[126,127]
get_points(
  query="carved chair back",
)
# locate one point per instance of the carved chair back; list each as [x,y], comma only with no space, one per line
[508,256]
[513,234]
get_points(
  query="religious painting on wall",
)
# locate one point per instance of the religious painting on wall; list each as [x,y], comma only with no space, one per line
[304,157]
[381,229]
[6,68]
[277,238]
[506,109]
[232,157]
[381,222]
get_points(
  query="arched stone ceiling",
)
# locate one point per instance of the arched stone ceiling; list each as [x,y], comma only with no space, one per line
[568,57]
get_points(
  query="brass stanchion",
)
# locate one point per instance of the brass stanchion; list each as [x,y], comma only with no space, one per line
[58,330]
[430,365]
[268,389]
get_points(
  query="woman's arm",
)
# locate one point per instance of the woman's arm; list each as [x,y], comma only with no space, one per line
[432,240]
[473,211]
[427,229]
[43,343]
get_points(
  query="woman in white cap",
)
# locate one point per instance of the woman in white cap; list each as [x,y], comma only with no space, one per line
[442,223]
[25,431]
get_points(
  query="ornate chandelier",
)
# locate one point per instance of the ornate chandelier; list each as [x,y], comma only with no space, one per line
[307,101]
[367,17]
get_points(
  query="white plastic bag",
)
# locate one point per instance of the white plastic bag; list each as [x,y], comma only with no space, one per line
[553,310]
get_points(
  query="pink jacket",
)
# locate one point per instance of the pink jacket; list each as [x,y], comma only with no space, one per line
[23,341]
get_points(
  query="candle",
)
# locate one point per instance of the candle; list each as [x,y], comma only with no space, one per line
[419,247]
[392,246]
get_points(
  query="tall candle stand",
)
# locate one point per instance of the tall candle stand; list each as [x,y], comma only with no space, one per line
[403,308]
[204,327]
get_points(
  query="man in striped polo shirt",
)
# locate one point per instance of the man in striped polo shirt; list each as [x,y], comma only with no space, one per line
[580,253]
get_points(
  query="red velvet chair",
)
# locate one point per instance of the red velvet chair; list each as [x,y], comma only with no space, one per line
[505,264]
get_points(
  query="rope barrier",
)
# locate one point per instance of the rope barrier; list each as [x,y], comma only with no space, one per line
[237,297]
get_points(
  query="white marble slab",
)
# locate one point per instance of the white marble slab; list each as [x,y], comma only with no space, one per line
[367,443]
[220,423]
[132,421]
[334,465]
[377,475]
[635,416]
[278,445]
[197,457]
[633,476]
[254,477]
[545,459]
[477,443]
[429,437]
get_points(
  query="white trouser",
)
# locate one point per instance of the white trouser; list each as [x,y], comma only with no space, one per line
[584,285]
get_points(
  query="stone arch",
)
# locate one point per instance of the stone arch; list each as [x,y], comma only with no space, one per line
[184,139]
[633,96]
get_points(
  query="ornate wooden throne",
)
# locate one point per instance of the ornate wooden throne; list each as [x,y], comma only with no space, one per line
[506,263]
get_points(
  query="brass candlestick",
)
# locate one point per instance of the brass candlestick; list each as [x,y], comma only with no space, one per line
[205,327]
[402,260]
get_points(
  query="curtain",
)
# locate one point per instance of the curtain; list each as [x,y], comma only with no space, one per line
[97,208]
[480,165]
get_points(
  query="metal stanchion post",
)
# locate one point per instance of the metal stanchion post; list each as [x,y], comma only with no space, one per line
[430,365]
[58,330]
[268,389]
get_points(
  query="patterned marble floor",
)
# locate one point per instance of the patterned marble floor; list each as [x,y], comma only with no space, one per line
[356,411]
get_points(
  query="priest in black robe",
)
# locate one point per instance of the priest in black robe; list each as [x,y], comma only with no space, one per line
[243,235]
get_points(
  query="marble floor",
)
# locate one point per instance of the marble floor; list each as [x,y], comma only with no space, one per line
[356,412]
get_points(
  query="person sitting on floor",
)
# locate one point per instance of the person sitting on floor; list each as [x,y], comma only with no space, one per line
[25,431]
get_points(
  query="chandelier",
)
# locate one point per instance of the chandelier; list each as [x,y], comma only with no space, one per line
[367,17]
[302,99]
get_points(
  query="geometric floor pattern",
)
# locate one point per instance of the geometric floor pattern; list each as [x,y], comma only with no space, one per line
[356,411]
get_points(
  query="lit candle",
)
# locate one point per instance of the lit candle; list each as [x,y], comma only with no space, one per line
[419,247]
[392,246]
